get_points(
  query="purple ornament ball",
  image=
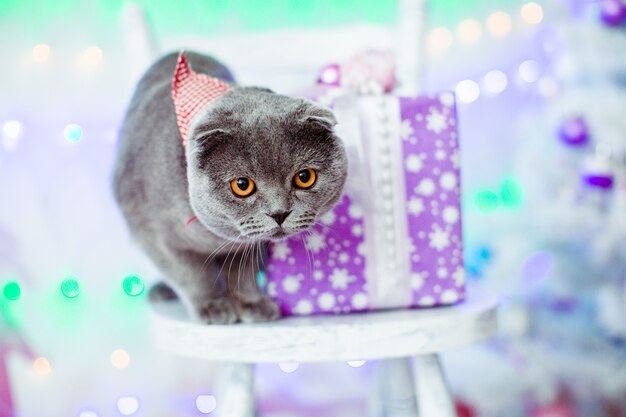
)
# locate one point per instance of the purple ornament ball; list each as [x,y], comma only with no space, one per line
[601,181]
[598,174]
[613,12]
[574,132]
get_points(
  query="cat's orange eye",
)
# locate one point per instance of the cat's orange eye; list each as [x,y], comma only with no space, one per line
[243,187]
[305,179]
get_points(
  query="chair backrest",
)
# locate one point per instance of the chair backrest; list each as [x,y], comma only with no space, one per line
[288,59]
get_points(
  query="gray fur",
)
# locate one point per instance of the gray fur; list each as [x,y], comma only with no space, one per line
[248,132]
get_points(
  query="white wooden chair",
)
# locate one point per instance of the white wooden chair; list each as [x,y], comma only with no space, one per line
[393,337]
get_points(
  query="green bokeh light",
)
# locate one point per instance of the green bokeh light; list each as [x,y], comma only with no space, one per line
[73,132]
[487,201]
[511,193]
[70,288]
[133,285]
[12,291]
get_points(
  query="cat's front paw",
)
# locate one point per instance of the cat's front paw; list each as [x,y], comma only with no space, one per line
[262,310]
[218,311]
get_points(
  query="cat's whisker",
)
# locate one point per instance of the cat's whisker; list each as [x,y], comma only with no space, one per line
[308,255]
[262,252]
[243,256]
[226,260]
[326,228]
[255,258]
[212,255]
[231,263]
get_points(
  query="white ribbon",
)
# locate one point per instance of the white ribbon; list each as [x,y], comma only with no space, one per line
[369,127]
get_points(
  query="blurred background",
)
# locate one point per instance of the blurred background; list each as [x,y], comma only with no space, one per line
[541,89]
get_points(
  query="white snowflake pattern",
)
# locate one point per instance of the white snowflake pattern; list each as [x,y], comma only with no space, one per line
[459,276]
[406,130]
[417,280]
[449,296]
[425,187]
[413,163]
[355,211]
[447,99]
[340,279]
[439,238]
[360,249]
[448,180]
[440,155]
[442,273]
[326,301]
[456,160]
[271,289]
[359,301]
[450,215]
[436,122]
[328,218]
[426,301]
[281,250]
[291,284]
[357,230]
[343,257]
[315,242]
[303,307]
[415,206]
[318,275]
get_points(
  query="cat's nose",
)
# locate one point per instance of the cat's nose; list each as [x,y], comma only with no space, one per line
[279,216]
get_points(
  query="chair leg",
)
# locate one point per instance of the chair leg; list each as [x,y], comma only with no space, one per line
[433,395]
[395,392]
[235,390]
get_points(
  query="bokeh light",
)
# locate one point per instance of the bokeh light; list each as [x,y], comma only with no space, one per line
[133,285]
[439,39]
[331,74]
[206,404]
[495,81]
[12,291]
[11,133]
[41,53]
[356,364]
[536,268]
[41,366]
[70,288]
[12,129]
[499,23]
[532,13]
[469,31]
[92,55]
[120,359]
[548,87]
[288,367]
[529,71]
[467,91]
[487,201]
[511,193]
[73,132]
[127,406]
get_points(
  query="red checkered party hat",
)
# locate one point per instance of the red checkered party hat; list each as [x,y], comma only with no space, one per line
[191,93]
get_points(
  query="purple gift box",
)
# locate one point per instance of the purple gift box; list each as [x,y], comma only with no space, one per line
[395,238]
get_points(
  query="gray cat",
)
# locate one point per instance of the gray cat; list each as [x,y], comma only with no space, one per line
[257,166]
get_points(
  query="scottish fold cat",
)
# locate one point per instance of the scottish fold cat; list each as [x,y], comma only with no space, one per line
[255,166]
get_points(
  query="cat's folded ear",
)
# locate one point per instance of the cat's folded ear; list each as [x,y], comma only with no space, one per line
[319,117]
[205,137]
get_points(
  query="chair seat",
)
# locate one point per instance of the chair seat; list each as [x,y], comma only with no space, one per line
[375,335]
